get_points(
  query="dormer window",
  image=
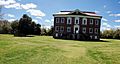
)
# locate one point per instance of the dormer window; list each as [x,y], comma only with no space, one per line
[76,20]
[84,21]
[69,20]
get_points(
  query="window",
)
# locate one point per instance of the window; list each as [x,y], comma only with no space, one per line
[76,20]
[61,28]
[91,36]
[96,37]
[62,20]
[84,21]
[96,30]
[76,30]
[83,30]
[68,20]
[57,28]
[96,22]
[91,21]
[68,29]
[57,20]
[90,30]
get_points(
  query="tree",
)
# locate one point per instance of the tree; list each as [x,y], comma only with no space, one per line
[25,25]
[14,25]
[117,34]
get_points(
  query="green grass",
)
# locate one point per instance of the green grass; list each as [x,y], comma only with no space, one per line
[47,50]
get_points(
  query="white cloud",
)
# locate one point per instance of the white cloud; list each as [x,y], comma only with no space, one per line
[117,26]
[47,27]
[7,2]
[106,25]
[108,12]
[35,12]
[28,6]
[103,19]
[10,20]
[36,21]
[39,18]
[116,20]
[16,6]
[115,15]
[119,2]
[52,19]
[97,11]
[10,15]
[105,28]
[104,6]
[48,21]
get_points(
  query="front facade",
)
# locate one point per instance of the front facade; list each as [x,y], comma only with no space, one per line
[80,25]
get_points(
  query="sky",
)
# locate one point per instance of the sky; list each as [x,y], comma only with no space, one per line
[42,11]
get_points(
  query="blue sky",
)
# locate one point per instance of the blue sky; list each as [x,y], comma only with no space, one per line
[41,11]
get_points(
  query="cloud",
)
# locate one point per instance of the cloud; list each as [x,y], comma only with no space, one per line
[97,11]
[104,6]
[10,15]
[116,20]
[35,12]
[10,20]
[119,2]
[105,28]
[117,26]
[52,19]
[103,19]
[48,21]
[36,21]
[108,12]
[16,6]
[7,2]
[116,15]
[106,25]
[28,6]
[39,18]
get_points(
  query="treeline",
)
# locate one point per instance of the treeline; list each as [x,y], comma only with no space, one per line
[111,34]
[24,26]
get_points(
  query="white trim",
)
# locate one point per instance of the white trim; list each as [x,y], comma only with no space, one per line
[56,28]
[90,30]
[62,20]
[84,21]
[57,20]
[69,18]
[76,26]
[96,22]
[91,21]
[76,16]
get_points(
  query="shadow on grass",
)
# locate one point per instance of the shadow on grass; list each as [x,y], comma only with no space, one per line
[26,36]
[87,40]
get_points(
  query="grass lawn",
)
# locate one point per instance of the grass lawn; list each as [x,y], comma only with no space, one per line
[47,50]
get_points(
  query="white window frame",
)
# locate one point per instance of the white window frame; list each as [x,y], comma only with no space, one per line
[77,18]
[62,27]
[90,30]
[57,28]
[57,20]
[97,22]
[91,21]
[96,29]
[68,20]
[83,30]
[68,29]
[84,21]
[62,20]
